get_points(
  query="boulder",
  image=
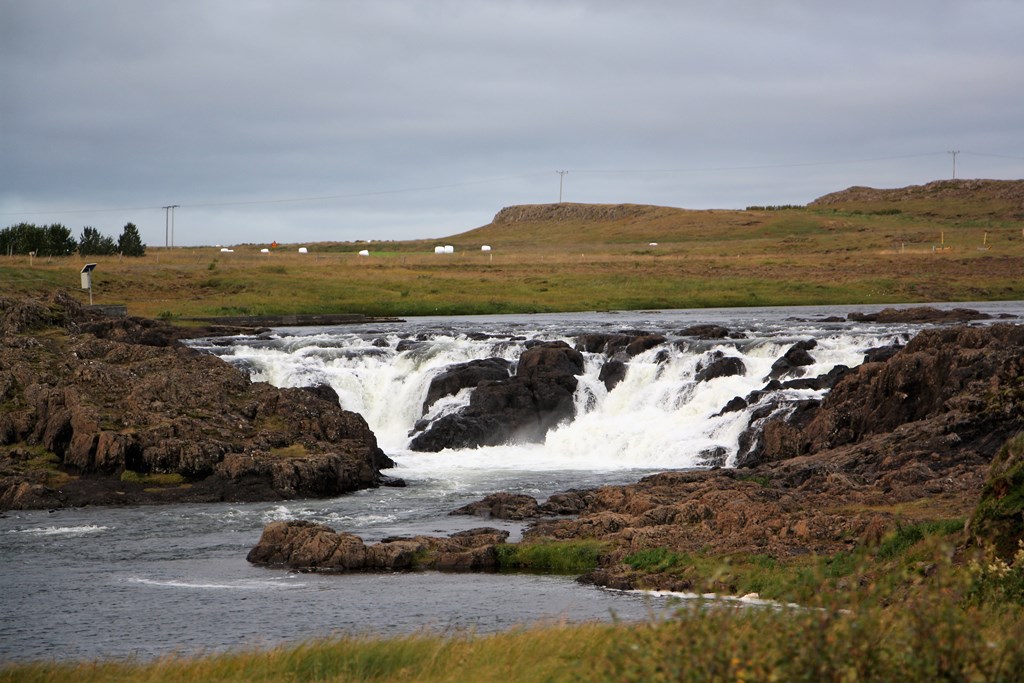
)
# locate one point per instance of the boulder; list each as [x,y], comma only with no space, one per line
[521,408]
[796,357]
[308,546]
[722,366]
[612,372]
[465,376]
[705,331]
[514,506]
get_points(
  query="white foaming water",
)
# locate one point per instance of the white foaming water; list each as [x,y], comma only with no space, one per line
[658,417]
[246,585]
[61,530]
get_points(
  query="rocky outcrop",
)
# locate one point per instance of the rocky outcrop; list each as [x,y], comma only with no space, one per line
[920,314]
[117,410]
[521,408]
[307,546]
[922,426]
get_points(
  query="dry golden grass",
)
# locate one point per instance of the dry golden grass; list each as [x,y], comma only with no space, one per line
[584,258]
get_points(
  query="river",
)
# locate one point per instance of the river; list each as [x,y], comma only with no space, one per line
[147,581]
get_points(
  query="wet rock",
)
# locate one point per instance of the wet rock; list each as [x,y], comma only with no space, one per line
[920,314]
[307,546]
[465,376]
[705,332]
[514,506]
[725,366]
[612,372]
[882,353]
[735,404]
[796,357]
[523,407]
[644,343]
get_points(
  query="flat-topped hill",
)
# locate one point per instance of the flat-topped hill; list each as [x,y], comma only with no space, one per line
[1002,199]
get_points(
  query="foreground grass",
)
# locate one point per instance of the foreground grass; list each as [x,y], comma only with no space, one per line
[906,609]
[930,639]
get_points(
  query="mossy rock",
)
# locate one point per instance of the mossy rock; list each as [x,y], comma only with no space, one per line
[998,521]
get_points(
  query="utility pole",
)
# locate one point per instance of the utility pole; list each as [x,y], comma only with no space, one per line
[561,179]
[169,224]
[954,153]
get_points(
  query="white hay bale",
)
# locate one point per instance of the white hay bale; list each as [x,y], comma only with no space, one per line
[303,250]
[653,244]
[438,250]
[225,250]
[264,251]
[486,247]
[364,252]
[449,249]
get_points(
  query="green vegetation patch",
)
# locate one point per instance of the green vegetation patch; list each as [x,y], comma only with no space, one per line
[556,557]
[152,478]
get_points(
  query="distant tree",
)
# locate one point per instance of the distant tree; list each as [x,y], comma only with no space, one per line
[59,241]
[25,238]
[130,242]
[92,243]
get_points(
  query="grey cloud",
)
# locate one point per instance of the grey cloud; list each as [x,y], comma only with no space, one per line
[118,103]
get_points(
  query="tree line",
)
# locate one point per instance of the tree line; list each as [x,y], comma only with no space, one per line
[56,240]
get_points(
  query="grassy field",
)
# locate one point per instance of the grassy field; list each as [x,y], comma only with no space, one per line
[580,257]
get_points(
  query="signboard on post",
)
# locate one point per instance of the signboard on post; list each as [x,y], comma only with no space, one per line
[87,279]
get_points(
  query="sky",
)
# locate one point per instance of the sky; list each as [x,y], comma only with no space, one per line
[346,120]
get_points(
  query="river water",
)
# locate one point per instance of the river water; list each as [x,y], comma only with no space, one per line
[146,581]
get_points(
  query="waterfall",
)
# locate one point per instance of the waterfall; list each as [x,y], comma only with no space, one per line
[659,416]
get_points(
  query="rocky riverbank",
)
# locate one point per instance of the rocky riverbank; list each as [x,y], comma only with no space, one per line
[909,435]
[99,410]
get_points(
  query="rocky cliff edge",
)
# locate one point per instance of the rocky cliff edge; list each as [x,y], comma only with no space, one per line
[97,410]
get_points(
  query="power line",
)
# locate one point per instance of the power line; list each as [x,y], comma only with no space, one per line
[427,188]
[757,167]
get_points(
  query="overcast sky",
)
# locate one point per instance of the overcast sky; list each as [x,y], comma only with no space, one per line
[316,120]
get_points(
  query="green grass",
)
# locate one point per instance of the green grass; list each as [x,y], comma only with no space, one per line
[928,638]
[552,263]
[152,478]
[555,557]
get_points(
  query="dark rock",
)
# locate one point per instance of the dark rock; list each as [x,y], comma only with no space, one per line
[644,343]
[825,381]
[569,502]
[726,366]
[919,314]
[465,376]
[607,344]
[705,332]
[409,345]
[523,407]
[734,405]
[796,356]
[612,372]
[126,396]
[306,546]
[325,391]
[514,506]
[882,353]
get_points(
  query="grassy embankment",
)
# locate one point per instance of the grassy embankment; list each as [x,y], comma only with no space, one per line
[575,259]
